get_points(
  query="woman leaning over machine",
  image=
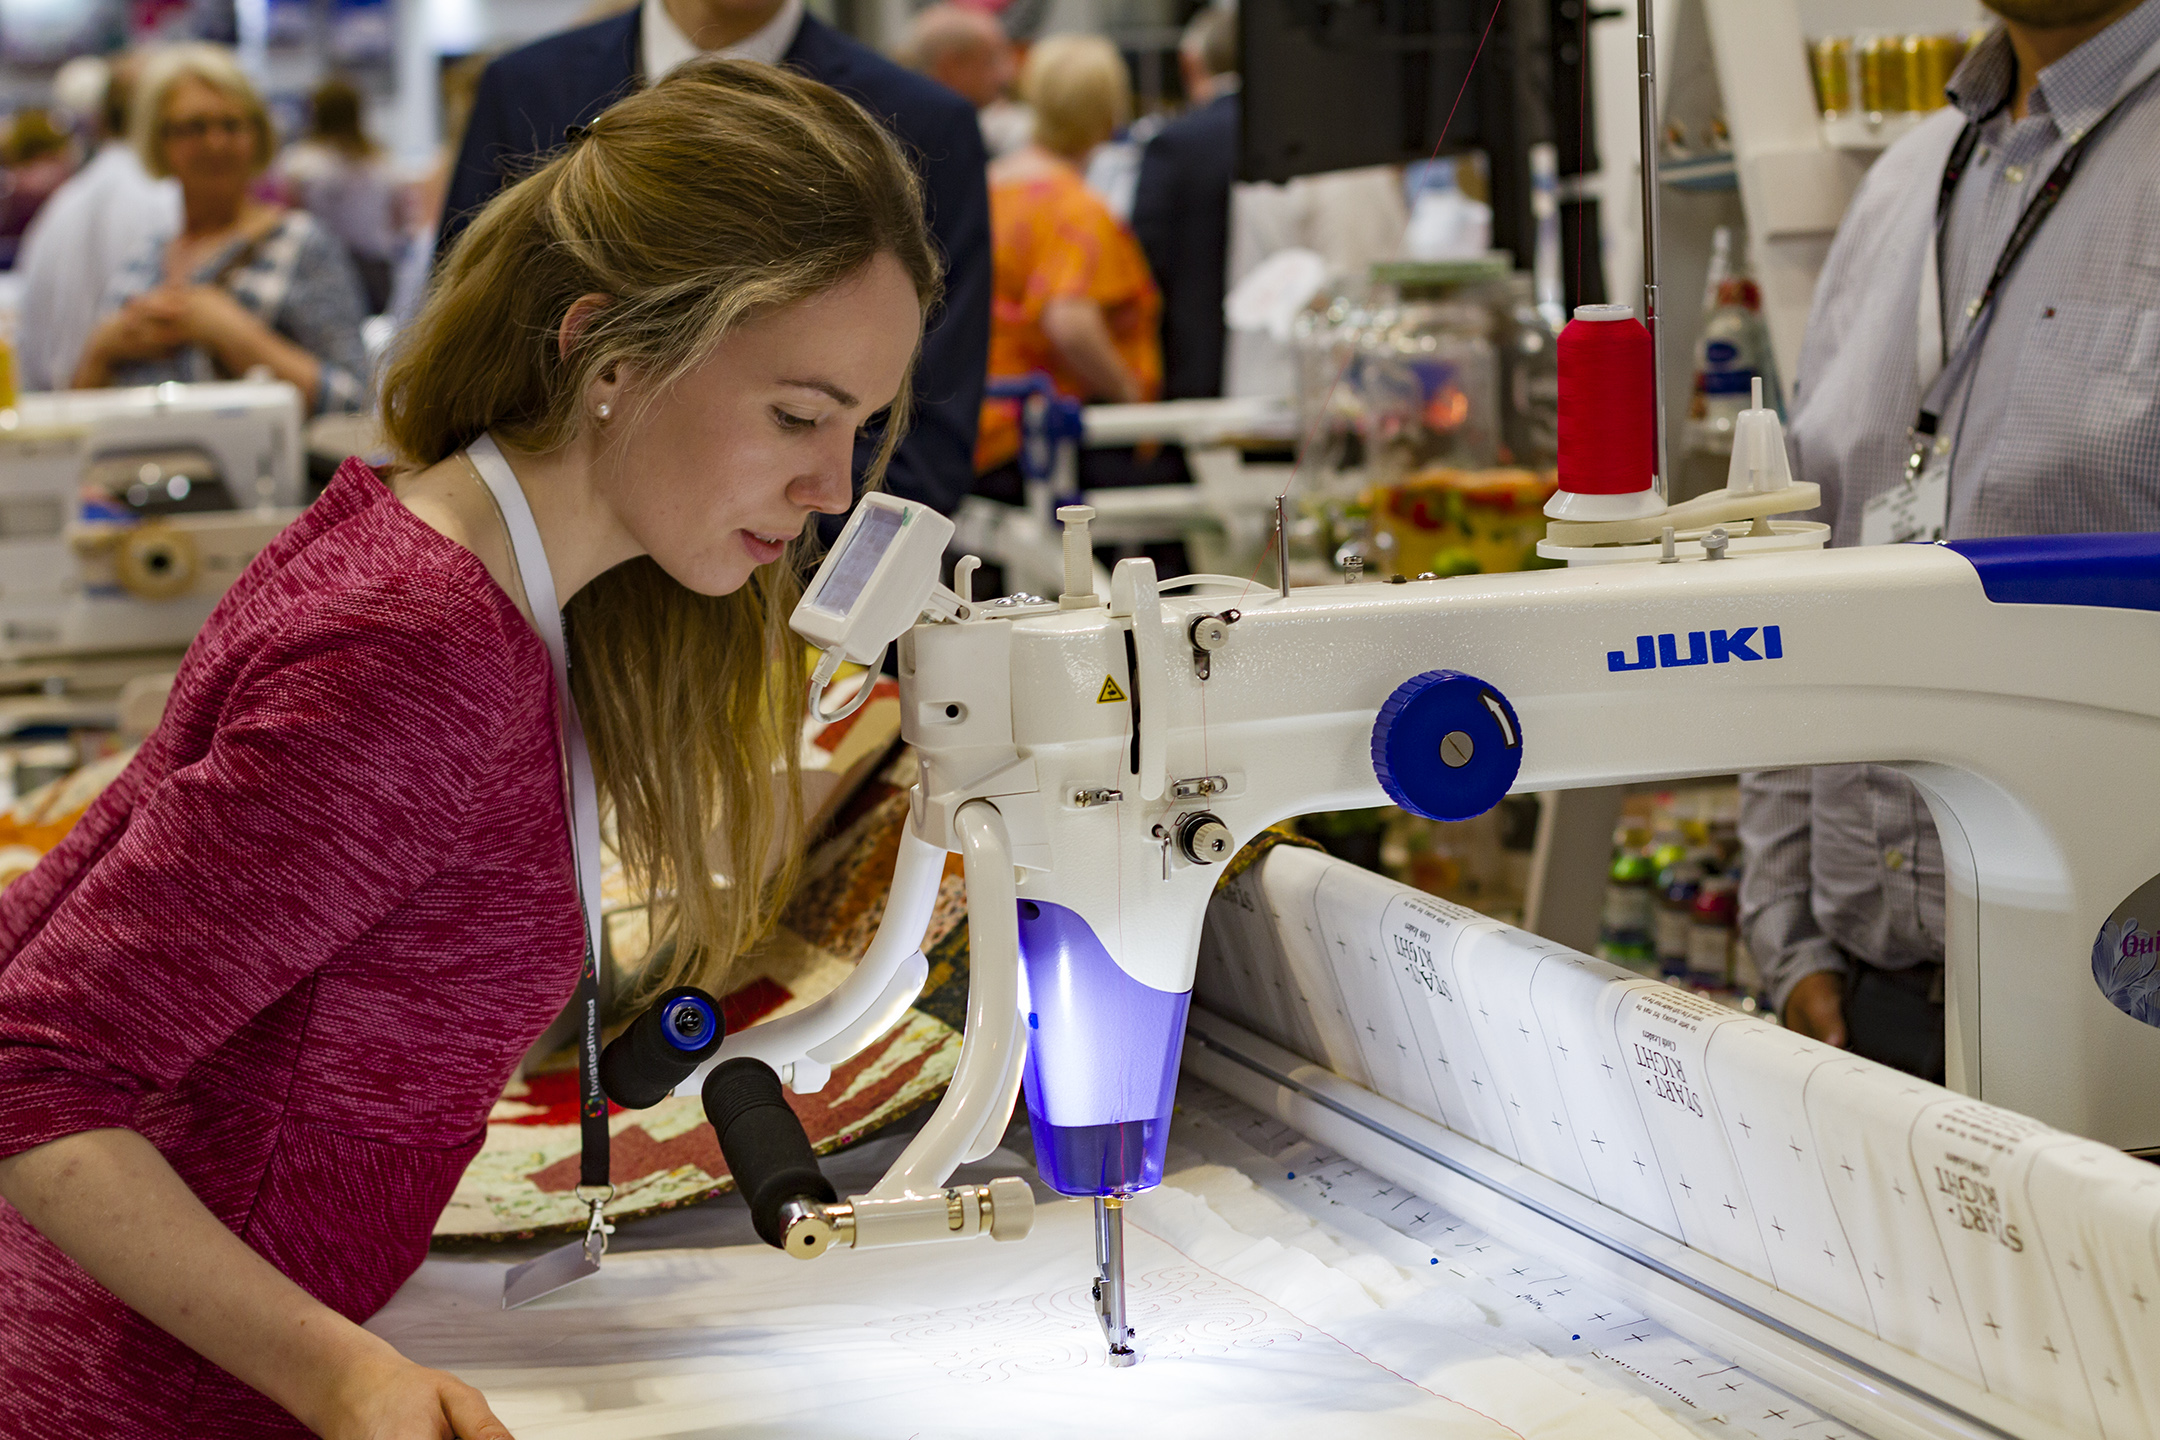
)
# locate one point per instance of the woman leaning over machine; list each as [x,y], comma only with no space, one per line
[254,1010]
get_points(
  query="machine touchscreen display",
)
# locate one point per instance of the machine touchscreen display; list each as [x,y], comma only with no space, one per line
[853,567]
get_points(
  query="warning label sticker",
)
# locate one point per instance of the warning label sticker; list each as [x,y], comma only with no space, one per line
[1110,694]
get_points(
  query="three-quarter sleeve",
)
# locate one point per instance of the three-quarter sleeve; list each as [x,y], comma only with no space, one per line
[334,786]
[322,314]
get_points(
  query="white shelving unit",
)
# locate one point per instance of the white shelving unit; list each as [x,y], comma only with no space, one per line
[1793,186]
[1787,174]
[1870,134]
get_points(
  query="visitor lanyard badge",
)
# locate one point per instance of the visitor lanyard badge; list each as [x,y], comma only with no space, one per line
[1918,507]
[581,1257]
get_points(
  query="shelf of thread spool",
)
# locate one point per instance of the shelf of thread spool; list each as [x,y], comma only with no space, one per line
[1872,89]
[1700,172]
[1858,130]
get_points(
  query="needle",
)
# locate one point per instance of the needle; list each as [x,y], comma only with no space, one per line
[1110,1278]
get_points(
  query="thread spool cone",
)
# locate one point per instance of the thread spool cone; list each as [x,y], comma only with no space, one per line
[1608,422]
[1759,464]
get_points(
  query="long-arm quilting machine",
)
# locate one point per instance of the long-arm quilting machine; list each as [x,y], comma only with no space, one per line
[1094,763]
[1915,1259]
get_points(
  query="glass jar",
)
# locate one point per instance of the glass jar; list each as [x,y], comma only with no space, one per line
[1324,340]
[1529,354]
[1428,389]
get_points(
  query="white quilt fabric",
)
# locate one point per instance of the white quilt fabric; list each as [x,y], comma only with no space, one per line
[2016,1256]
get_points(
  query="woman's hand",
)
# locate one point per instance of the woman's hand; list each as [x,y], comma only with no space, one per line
[388,1397]
[209,316]
[158,322]
[113,1204]
[143,329]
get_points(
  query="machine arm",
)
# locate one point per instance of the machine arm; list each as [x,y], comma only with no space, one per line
[987,1080]
[2012,687]
[805,1045]
[794,1207]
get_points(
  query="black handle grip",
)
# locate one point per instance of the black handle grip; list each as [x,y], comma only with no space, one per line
[766,1149]
[681,1031]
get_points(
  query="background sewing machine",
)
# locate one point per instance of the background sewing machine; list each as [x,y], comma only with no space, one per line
[125,514]
[1221,516]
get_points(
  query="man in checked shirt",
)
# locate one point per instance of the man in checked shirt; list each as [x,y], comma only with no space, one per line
[2050,423]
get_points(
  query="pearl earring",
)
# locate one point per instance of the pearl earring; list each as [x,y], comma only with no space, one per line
[606,411]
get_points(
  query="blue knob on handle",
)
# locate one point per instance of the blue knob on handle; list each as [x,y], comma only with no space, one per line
[1446,745]
[681,1031]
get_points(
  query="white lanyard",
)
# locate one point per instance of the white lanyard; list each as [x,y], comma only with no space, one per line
[559,1267]
[539,583]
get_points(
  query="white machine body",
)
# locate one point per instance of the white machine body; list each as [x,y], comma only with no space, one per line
[2033,730]
[1089,776]
[71,587]
[1095,763]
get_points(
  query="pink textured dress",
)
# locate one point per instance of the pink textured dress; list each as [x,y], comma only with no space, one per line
[300,945]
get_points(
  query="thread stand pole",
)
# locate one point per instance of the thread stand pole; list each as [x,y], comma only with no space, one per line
[1646,101]
[1282,547]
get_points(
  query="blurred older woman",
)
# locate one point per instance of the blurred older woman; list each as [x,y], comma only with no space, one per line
[1071,295]
[242,284]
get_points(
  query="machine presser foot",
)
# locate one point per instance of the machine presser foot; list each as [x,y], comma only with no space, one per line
[1110,1278]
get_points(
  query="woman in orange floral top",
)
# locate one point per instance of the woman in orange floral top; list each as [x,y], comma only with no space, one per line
[1071,294]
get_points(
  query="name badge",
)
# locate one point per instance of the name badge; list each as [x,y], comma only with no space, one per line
[1916,509]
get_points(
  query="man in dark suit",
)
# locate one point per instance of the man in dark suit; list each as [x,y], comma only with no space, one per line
[1181,207]
[529,97]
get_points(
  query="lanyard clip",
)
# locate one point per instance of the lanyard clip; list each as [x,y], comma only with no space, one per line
[1923,440]
[597,1228]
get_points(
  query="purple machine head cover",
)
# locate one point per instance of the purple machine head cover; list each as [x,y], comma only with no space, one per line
[1102,1059]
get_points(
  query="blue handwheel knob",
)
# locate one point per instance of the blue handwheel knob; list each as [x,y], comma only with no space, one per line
[688,1022]
[1446,745]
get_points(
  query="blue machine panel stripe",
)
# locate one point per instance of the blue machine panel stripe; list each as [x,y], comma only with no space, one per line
[2118,572]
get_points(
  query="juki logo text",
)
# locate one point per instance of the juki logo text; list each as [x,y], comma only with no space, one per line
[1714,647]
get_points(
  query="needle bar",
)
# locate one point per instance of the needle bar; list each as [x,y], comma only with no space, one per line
[1110,1278]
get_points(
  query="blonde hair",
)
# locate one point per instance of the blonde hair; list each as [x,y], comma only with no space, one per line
[1079,90]
[212,65]
[33,136]
[728,190]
